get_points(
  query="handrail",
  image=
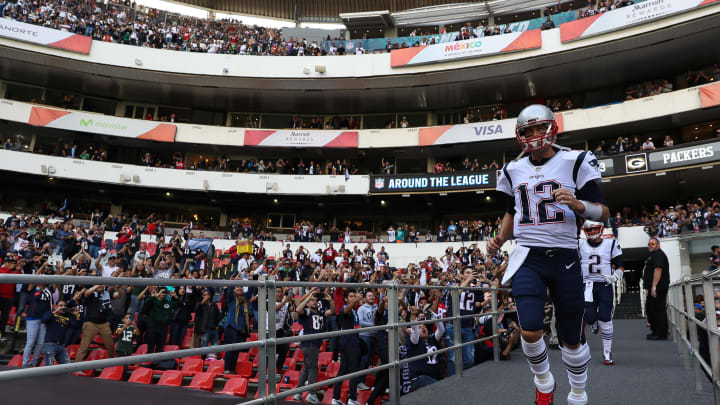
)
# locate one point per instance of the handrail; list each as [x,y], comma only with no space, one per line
[686,328]
[267,340]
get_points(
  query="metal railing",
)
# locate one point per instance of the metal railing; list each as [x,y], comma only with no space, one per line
[698,340]
[267,340]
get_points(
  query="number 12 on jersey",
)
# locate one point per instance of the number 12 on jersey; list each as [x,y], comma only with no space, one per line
[543,198]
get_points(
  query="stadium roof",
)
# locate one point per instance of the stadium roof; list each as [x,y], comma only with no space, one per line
[330,10]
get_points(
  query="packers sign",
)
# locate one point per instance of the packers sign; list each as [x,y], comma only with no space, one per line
[687,156]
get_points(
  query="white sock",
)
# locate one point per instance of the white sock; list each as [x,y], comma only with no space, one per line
[606,330]
[537,358]
[577,361]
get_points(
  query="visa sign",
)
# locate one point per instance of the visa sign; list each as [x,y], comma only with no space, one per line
[490,129]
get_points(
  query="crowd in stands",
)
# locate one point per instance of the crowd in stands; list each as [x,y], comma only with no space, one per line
[692,216]
[595,7]
[462,230]
[68,318]
[467,165]
[484,114]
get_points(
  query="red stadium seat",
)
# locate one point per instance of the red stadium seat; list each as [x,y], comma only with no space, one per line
[185,359]
[216,367]
[141,375]
[332,369]
[142,349]
[203,381]
[362,397]
[290,363]
[253,351]
[244,369]
[170,348]
[72,351]
[112,373]
[172,378]
[297,355]
[192,367]
[296,327]
[236,386]
[187,342]
[243,356]
[324,358]
[97,354]
[291,377]
[253,337]
[16,361]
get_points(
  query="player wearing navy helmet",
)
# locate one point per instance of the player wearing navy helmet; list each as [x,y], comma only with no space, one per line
[550,192]
[602,269]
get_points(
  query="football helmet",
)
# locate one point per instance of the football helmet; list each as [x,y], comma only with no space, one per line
[532,116]
[593,230]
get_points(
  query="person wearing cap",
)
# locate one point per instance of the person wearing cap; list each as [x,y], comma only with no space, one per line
[21,241]
[106,270]
[648,145]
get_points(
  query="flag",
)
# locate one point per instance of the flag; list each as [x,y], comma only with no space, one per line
[347,174]
[64,206]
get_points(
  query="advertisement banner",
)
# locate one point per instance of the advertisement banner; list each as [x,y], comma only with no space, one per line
[607,167]
[301,138]
[432,182]
[476,132]
[471,48]
[638,13]
[636,163]
[36,34]
[102,124]
[691,155]
[710,95]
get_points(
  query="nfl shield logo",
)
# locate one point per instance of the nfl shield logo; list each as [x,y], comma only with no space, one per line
[379,183]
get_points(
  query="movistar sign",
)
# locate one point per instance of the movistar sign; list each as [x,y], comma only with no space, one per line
[91,123]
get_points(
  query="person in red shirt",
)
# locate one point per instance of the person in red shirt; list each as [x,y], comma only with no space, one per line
[7,291]
[329,254]
[438,168]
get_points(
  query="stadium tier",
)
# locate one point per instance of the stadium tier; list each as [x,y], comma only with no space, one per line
[425,200]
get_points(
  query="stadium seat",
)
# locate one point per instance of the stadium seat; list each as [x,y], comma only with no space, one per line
[142,349]
[112,373]
[72,351]
[296,328]
[290,363]
[362,397]
[172,378]
[170,348]
[203,381]
[141,375]
[253,351]
[185,359]
[187,342]
[16,361]
[216,367]
[324,358]
[297,355]
[253,337]
[192,367]
[97,354]
[243,356]
[244,369]
[332,369]
[291,377]
[236,386]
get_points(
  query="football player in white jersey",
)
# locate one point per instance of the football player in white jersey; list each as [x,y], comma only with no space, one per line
[602,267]
[549,192]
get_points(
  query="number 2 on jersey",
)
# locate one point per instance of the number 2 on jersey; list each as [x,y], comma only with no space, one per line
[594,267]
[542,206]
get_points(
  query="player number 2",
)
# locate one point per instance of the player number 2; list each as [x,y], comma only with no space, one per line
[594,267]
[542,205]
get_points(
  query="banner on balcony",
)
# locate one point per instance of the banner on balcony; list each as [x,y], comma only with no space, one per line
[102,124]
[301,138]
[470,48]
[39,35]
[638,13]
